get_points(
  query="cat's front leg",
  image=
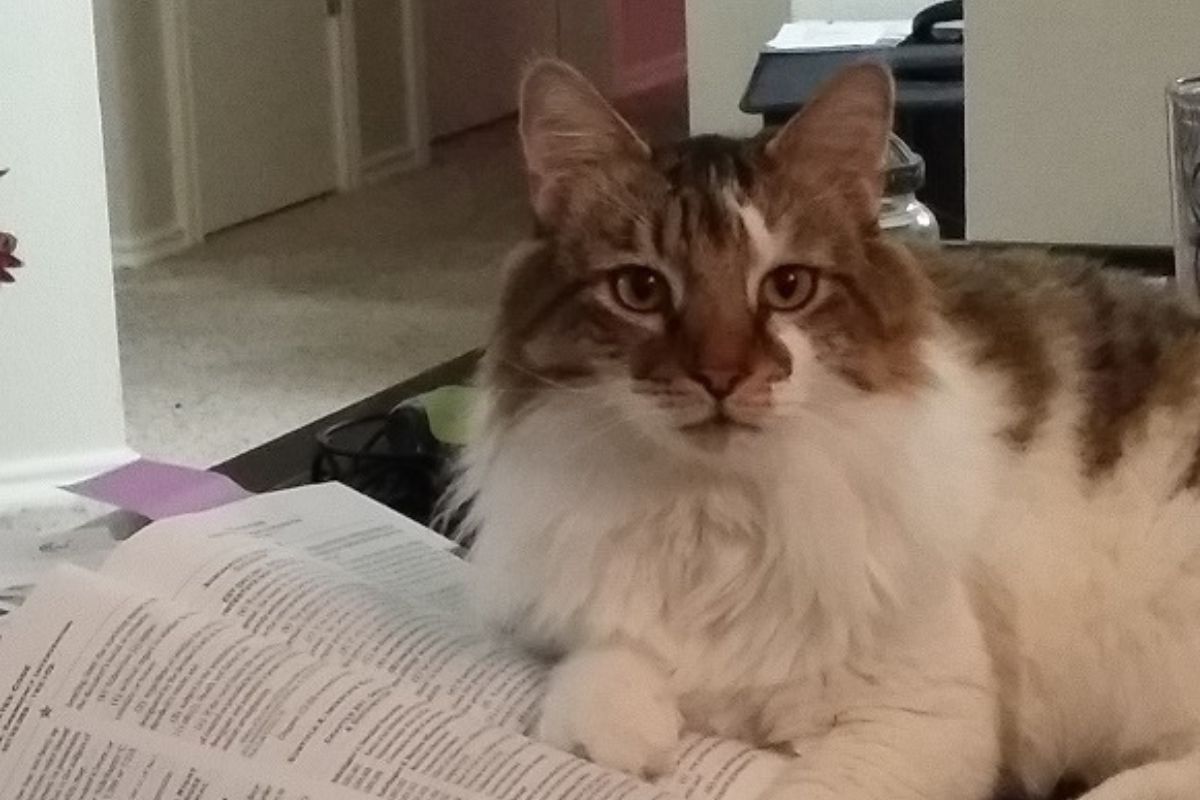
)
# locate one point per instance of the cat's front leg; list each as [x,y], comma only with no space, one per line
[939,743]
[614,705]
[918,720]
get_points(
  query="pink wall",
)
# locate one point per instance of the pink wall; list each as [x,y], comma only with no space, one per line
[649,43]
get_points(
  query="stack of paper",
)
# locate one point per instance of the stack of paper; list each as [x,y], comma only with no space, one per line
[821,34]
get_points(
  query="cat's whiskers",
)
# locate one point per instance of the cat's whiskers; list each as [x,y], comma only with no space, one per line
[624,419]
[545,380]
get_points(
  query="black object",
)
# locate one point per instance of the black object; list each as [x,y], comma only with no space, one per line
[393,458]
[926,30]
[929,102]
[287,460]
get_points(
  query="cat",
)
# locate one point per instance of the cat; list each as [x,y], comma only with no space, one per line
[927,518]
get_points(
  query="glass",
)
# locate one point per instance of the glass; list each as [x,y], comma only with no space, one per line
[907,217]
[902,214]
[1183,100]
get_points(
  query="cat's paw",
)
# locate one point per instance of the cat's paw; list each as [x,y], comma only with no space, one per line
[614,707]
[796,715]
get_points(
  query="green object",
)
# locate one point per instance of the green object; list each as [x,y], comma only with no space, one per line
[449,409]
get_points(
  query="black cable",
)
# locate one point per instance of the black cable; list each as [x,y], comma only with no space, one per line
[393,458]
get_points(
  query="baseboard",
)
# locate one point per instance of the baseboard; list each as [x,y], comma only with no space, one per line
[391,162]
[652,74]
[35,481]
[142,249]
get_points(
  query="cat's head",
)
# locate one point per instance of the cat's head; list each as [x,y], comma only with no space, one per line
[708,291]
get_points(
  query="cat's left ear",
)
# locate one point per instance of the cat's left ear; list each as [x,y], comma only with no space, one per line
[840,138]
[570,135]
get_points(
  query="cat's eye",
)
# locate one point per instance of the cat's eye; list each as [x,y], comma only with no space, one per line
[788,288]
[640,289]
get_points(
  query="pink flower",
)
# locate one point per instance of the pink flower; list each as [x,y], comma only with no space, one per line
[8,261]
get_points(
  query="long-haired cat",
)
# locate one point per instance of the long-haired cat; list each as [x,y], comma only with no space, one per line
[749,466]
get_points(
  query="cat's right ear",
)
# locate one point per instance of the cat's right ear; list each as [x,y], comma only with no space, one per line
[840,138]
[570,136]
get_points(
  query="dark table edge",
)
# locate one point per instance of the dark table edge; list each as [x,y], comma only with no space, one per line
[1155,260]
[286,460]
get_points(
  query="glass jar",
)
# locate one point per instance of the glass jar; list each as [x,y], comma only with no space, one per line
[902,214]
[1183,98]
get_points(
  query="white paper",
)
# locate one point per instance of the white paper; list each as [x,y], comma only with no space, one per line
[336,526]
[820,34]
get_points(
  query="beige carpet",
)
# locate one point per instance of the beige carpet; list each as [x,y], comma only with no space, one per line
[270,325]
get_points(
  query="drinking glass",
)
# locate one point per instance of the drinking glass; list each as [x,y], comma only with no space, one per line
[1183,100]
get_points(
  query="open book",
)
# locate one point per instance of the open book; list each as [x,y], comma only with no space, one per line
[303,644]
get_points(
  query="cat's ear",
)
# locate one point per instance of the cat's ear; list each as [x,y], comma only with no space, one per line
[840,137]
[569,133]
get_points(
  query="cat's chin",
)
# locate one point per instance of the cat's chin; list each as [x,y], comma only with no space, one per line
[718,434]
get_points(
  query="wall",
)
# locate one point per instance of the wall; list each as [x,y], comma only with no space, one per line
[60,408]
[649,44]
[723,40]
[1066,124]
[585,38]
[624,46]
[148,217]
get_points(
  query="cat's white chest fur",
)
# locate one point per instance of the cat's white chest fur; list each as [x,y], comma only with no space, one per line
[689,571]
[779,570]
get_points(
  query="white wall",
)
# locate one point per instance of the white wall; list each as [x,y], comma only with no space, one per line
[60,403]
[723,39]
[1065,115]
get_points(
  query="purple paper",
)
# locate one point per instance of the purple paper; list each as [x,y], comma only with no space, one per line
[157,490]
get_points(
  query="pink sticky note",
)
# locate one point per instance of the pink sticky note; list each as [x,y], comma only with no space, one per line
[156,490]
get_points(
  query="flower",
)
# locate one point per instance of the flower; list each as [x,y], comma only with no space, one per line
[8,243]
[8,261]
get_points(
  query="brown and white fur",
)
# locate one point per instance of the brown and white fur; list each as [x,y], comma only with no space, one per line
[930,520]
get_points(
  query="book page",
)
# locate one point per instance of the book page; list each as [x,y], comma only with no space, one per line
[358,584]
[88,655]
[70,756]
[337,525]
[367,586]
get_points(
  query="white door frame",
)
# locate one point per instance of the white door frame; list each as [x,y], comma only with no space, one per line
[185,167]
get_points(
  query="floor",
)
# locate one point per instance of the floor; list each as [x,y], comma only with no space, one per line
[279,321]
[269,325]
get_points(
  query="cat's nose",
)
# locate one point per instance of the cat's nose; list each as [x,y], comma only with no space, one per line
[720,383]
